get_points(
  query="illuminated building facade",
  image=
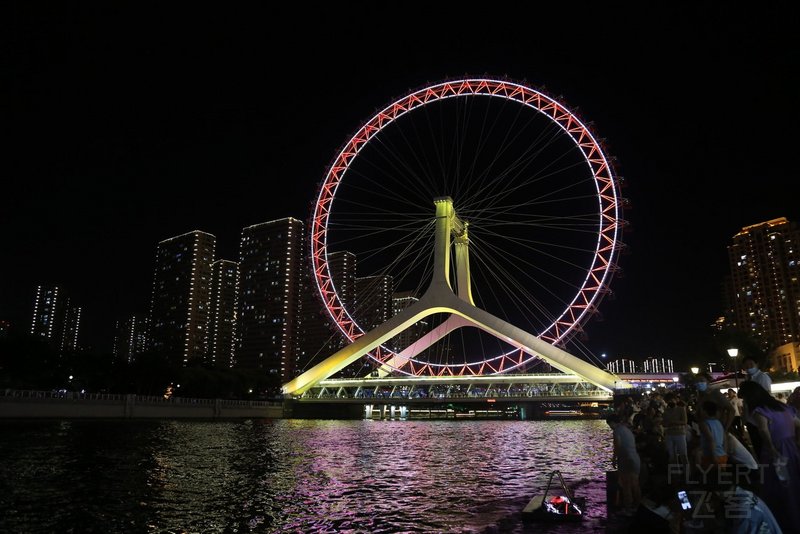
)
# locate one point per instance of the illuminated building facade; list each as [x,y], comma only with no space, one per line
[130,338]
[319,336]
[374,304]
[622,366]
[222,340]
[179,307]
[70,327]
[657,365]
[270,267]
[400,301]
[47,311]
[56,318]
[765,273]
[785,358]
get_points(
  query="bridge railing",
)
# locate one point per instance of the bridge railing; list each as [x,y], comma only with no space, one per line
[437,394]
[115,398]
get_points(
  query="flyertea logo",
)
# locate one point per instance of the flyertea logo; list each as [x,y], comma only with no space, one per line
[705,503]
[678,474]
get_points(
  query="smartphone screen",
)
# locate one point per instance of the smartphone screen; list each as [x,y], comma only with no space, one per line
[685,504]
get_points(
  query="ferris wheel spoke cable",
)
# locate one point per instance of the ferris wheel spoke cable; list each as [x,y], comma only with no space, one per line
[342,239]
[408,241]
[483,138]
[500,187]
[424,166]
[386,142]
[529,244]
[434,141]
[342,228]
[575,223]
[531,202]
[371,185]
[533,317]
[432,173]
[409,264]
[407,179]
[519,293]
[470,197]
[486,354]
[408,175]
[492,201]
[522,297]
[518,264]
[525,302]
[532,152]
[504,145]
[575,226]
[461,129]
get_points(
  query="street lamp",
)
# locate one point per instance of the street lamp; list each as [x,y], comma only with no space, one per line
[733,353]
[694,370]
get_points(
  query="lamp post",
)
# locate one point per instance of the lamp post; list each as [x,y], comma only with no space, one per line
[733,353]
[694,370]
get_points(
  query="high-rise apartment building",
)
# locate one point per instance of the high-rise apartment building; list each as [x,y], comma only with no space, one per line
[622,365]
[180,302]
[400,301]
[270,270]
[657,365]
[130,338]
[222,313]
[47,312]
[319,336]
[765,273]
[56,318]
[70,327]
[374,304]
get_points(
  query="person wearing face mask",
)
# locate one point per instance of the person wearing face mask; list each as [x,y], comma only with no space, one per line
[757,376]
[724,409]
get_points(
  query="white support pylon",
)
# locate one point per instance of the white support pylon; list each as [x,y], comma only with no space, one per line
[440,298]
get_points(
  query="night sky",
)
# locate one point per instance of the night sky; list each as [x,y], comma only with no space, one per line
[125,127]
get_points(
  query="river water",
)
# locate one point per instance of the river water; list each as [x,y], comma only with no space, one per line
[294,475]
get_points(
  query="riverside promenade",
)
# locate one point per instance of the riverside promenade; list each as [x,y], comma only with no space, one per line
[23,404]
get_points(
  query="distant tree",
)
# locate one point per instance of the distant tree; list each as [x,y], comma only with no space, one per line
[150,374]
[735,338]
[28,362]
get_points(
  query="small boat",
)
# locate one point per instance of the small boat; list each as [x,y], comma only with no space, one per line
[554,507]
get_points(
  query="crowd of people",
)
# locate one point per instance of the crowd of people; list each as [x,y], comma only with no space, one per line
[699,459]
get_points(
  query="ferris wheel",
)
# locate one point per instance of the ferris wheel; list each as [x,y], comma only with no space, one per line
[525,173]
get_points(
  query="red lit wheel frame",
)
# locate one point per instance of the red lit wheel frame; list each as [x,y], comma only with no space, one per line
[597,218]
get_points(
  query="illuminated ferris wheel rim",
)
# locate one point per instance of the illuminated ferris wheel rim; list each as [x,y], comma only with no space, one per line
[599,273]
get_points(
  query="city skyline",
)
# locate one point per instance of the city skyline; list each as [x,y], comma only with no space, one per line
[204,150]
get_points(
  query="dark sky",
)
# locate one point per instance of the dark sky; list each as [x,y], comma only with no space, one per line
[124,127]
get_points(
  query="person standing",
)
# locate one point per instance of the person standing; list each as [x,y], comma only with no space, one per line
[712,436]
[724,412]
[779,430]
[755,376]
[626,460]
[737,428]
[794,399]
[674,422]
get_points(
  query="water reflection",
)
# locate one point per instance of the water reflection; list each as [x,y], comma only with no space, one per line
[293,475]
